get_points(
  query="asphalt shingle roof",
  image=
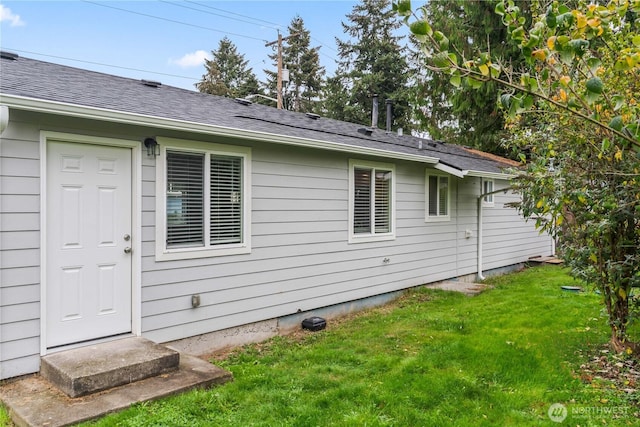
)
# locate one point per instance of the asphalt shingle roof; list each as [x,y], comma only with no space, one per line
[47,81]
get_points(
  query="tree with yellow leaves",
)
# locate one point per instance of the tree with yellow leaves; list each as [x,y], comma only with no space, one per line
[574,117]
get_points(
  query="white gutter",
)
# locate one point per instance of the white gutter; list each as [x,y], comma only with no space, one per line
[480,229]
[63,108]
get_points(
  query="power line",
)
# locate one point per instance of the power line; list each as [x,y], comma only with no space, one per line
[101,64]
[172,20]
[327,55]
[236,14]
[205,11]
[249,17]
[322,44]
[176,22]
[209,28]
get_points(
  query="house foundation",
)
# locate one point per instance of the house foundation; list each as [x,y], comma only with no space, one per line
[216,341]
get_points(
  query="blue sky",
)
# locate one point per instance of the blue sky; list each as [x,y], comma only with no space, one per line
[162,40]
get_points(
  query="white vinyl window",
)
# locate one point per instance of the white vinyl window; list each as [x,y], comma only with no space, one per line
[437,198]
[487,187]
[371,201]
[203,208]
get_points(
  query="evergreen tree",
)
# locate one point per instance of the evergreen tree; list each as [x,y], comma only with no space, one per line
[465,115]
[212,82]
[306,76]
[227,73]
[370,62]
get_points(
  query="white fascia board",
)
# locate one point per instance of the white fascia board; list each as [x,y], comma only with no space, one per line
[450,170]
[490,175]
[463,173]
[62,108]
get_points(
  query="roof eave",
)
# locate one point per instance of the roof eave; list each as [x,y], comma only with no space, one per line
[72,110]
[450,170]
[472,173]
[490,175]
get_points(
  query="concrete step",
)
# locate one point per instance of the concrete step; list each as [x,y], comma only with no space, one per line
[87,370]
[33,402]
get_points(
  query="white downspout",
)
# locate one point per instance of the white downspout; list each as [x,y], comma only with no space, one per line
[481,197]
[479,250]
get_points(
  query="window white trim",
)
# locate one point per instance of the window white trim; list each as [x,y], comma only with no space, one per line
[371,236]
[437,217]
[487,186]
[166,254]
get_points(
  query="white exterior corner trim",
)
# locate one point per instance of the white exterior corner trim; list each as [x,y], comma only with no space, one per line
[4,118]
[63,108]
[480,206]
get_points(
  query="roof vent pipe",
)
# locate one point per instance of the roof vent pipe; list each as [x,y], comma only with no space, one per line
[389,103]
[374,112]
[150,83]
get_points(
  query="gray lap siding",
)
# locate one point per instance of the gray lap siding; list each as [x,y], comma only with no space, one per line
[300,257]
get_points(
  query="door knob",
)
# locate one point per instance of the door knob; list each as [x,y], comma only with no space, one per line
[127,250]
[126,237]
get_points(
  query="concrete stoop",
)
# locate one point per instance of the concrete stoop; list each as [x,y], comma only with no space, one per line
[95,368]
[87,383]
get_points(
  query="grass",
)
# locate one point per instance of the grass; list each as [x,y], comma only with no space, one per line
[431,358]
[4,417]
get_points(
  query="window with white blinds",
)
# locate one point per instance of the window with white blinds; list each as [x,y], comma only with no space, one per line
[437,197]
[382,221]
[371,201]
[225,200]
[205,201]
[185,199]
[362,201]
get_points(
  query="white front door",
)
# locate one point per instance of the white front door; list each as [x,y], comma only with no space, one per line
[88,229]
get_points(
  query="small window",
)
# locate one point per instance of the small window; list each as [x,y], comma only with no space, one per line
[487,187]
[371,201]
[437,198]
[204,211]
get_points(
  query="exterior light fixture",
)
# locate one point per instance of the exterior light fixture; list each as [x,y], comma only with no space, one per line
[153,148]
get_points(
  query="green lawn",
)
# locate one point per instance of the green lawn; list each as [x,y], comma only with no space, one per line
[432,358]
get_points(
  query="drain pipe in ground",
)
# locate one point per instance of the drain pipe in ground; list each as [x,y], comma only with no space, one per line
[479,251]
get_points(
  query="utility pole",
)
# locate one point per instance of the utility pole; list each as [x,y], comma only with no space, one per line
[279,81]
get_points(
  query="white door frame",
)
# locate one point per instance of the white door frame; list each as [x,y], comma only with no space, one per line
[136,221]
